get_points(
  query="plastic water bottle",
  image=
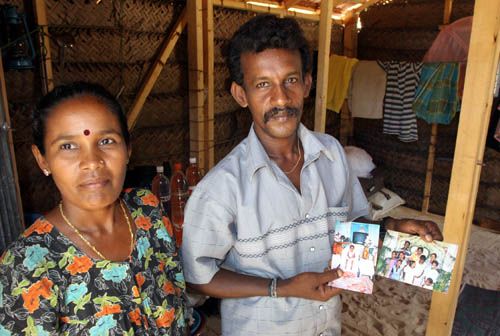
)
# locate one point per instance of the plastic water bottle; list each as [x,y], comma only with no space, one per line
[193,175]
[179,194]
[161,188]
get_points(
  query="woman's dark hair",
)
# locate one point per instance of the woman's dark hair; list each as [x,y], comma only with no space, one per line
[64,92]
[266,32]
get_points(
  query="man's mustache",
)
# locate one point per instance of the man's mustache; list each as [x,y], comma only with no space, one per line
[290,111]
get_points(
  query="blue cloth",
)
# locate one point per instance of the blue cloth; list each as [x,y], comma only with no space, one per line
[436,99]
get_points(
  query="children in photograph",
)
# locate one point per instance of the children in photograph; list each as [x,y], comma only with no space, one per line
[432,257]
[415,256]
[365,264]
[432,272]
[428,284]
[350,259]
[409,272]
[419,270]
[390,262]
[402,257]
[406,248]
[418,263]
[396,270]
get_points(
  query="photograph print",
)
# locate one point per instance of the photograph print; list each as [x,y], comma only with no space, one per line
[410,259]
[355,254]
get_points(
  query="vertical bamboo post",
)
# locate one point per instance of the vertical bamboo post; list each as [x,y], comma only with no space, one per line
[325,30]
[46,63]
[196,80]
[5,123]
[482,63]
[350,50]
[434,131]
[208,46]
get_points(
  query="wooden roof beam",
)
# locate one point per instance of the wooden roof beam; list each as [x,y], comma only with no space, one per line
[279,11]
[155,70]
[291,3]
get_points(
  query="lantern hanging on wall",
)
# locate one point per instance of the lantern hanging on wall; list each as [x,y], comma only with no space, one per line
[17,46]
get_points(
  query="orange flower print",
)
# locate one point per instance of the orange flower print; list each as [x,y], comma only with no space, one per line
[31,301]
[168,226]
[64,319]
[135,316]
[135,291]
[161,266]
[165,320]
[140,279]
[31,296]
[79,265]
[109,309]
[42,287]
[40,226]
[149,199]
[143,222]
[168,288]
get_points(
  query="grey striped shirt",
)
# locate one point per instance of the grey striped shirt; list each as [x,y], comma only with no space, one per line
[246,216]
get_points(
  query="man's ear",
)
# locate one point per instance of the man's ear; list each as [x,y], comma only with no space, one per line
[239,94]
[307,84]
[40,159]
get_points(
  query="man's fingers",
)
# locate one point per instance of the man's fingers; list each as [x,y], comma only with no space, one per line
[329,275]
[434,230]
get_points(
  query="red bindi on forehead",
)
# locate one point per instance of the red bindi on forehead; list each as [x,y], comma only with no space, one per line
[86,132]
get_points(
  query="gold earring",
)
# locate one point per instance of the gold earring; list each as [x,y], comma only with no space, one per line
[46,172]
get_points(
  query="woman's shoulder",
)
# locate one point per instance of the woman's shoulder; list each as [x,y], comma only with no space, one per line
[139,197]
[35,246]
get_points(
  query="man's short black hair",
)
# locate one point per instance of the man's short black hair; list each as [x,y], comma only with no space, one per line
[266,32]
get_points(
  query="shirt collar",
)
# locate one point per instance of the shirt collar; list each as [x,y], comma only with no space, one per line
[258,157]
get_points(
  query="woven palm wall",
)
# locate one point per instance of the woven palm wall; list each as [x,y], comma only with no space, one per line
[403,30]
[114,43]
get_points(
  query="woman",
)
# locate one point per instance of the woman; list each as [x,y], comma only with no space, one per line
[101,262]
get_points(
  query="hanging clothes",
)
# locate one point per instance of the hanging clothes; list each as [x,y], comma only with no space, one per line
[436,99]
[367,90]
[339,76]
[402,82]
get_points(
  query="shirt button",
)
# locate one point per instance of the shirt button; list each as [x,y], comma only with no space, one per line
[321,334]
[312,248]
[321,307]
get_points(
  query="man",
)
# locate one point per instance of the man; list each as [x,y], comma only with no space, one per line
[259,228]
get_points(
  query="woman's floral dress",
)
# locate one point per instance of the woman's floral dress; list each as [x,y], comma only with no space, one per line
[49,287]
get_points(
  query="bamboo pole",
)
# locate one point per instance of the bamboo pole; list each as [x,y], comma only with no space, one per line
[208,41]
[46,64]
[155,70]
[483,60]
[196,80]
[350,50]
[5,123]
[434,132]
[325,31]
